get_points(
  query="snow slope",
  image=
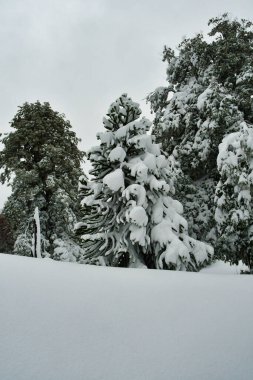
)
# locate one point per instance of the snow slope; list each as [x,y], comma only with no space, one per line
[62,321]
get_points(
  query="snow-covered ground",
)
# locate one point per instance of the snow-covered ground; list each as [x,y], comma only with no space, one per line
[61,321]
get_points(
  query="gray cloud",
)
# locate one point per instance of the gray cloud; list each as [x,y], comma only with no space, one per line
[81,54]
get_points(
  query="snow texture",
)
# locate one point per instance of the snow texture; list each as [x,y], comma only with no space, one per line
[38,238]
[64,321]
[117,154]
[202,99]
[114,180]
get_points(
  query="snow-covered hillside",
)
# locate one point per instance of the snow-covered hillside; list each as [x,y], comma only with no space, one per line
[62,321]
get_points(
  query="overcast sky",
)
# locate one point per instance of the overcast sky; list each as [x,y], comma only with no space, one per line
[80,55]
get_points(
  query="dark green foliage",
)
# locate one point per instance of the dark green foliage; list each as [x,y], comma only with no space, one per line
[42,157]
[198,200]
[6,235]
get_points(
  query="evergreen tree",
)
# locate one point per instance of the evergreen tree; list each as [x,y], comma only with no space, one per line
[6,236]
[208,97]
[233,198]
[42,161]
[130,217]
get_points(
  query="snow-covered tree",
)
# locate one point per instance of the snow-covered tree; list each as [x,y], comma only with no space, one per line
[208,96]
[130,217]
[233,198]
[42,161]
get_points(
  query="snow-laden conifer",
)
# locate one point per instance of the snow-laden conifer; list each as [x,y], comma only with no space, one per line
[130,216]
[233,197]
[208,96]
[41,160]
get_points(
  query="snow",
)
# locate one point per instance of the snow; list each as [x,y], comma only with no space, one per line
[105,138]
[225,154]
[114,180]
[137,191]
[150,161]
[157,212]
[38,237]
[138,170]
[117,154]
[125,131]
[64,321]
[138,235]
[202,99]
[156,184]
[137,215]
[219,267]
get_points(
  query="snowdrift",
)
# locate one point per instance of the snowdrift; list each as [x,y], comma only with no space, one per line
[62,321]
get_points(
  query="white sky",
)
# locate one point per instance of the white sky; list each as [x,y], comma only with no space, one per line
[80,55]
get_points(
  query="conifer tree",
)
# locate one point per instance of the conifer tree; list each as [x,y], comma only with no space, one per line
[233,197]
[130,217]
[208,96]
[42,161]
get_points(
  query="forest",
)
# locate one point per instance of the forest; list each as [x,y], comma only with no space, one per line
[129,260]
[173,193]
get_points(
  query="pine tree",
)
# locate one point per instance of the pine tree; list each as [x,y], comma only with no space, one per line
[130,217]
[233,198]
[42,161]
[208,97]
